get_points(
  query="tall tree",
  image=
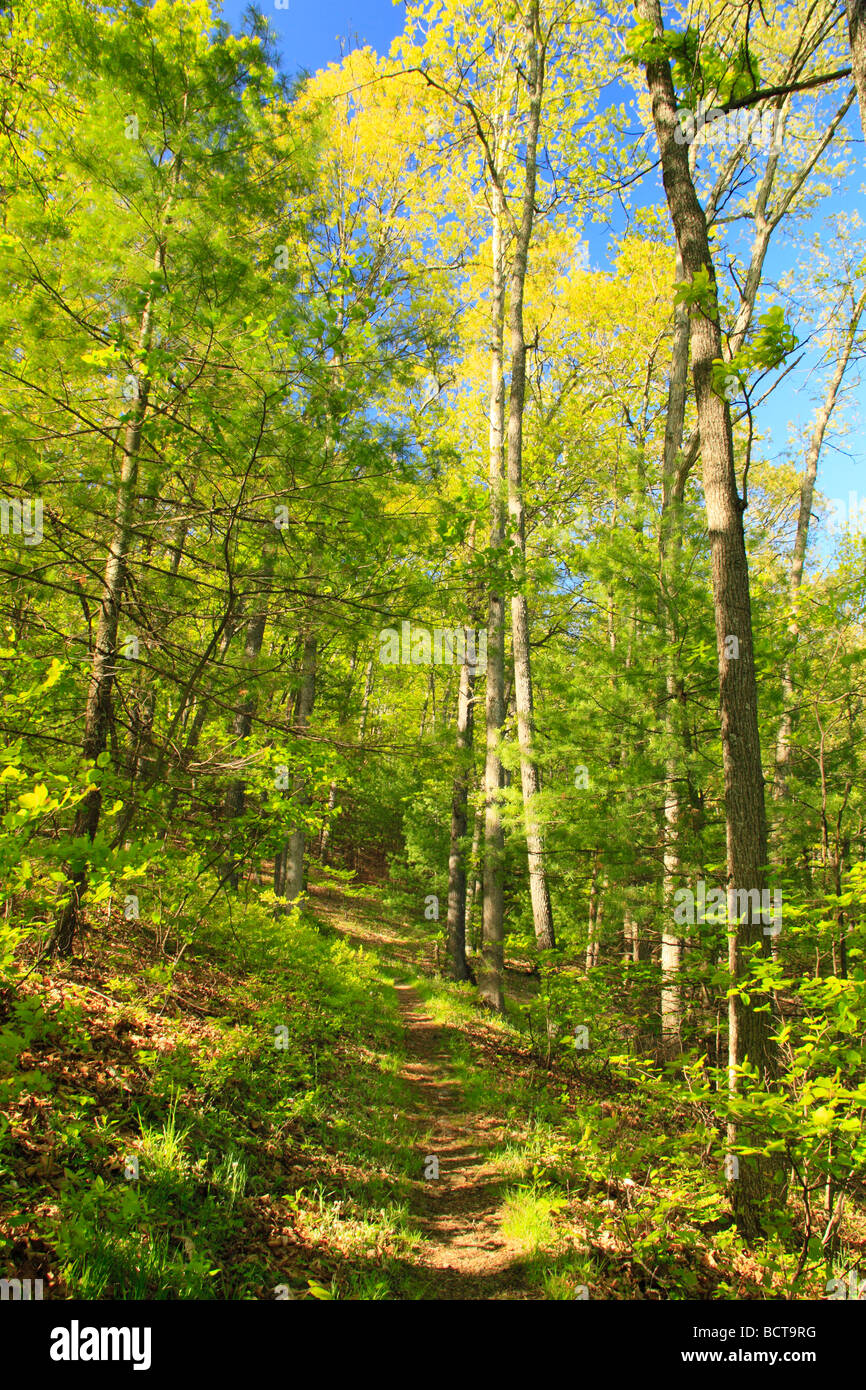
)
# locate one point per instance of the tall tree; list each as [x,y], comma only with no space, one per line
[749,1037]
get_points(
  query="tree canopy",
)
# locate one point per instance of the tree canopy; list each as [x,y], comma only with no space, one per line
[403,579]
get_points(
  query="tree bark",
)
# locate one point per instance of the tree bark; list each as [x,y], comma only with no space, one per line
[594,921]
[293,876]
[473,887]
[542,913]
[631,937]
[493,950]
[243,720]
[456,928]
[324,850]
[670,548]
[856,12]
[97,714]
[746,826]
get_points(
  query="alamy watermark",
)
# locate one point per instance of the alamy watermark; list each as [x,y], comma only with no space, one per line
[845,516]
[710,125]
[22,518]
[20,1290]
[732,905]
[418,647]
[77,1343]
[846,1288]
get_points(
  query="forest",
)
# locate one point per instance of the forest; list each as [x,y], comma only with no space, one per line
[433,646]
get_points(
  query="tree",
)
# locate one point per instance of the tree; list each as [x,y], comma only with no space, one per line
[748,1028]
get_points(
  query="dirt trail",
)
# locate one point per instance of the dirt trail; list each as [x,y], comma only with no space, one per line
[465,1254]
[465,1251]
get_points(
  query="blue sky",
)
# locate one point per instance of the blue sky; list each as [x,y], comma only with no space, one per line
[309,37]
[309,30]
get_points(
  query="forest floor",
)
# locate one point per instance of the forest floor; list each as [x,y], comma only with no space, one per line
[460,1209]
[465,1253]
[254,1114]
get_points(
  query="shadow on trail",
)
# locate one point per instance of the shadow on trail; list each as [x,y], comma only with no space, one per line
[465,1253]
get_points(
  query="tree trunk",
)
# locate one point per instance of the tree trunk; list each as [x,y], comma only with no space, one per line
[97,714]
[631,936]
[670,547]
[493,951]
[243,720]
[365,701]
[748,1029]
[594,914]
[456,858]
[856,10]
[293,885]
[542,914]
[473,887]
[332,790]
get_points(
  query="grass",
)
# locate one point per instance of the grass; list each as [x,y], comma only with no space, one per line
[528,1215]
[261,1092]
[259,1165]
